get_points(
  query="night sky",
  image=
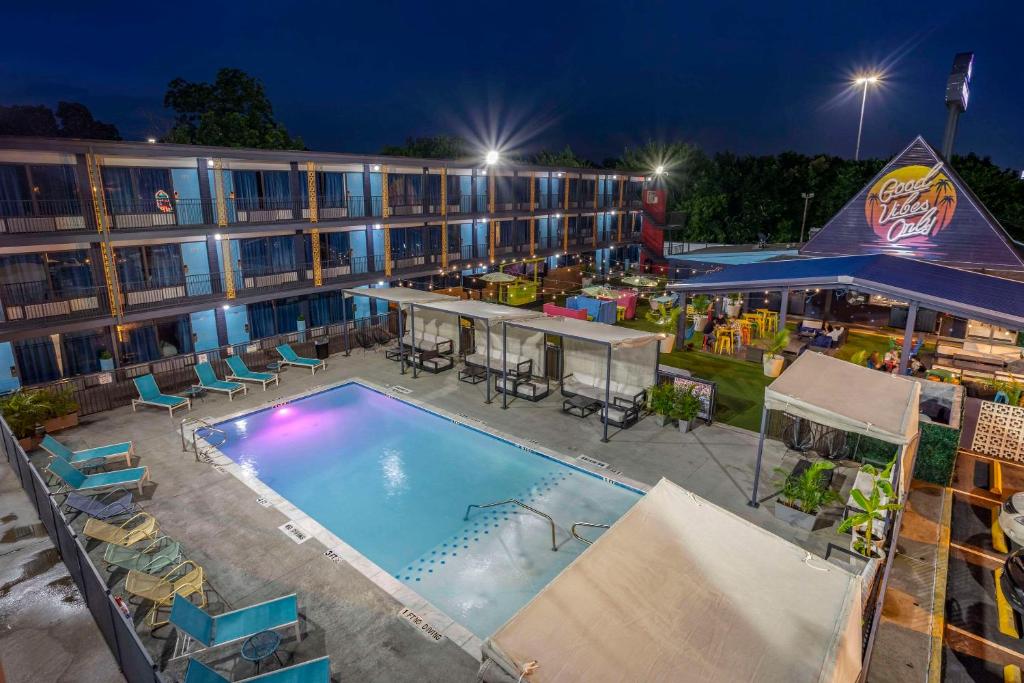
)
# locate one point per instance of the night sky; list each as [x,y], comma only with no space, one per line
[751,77]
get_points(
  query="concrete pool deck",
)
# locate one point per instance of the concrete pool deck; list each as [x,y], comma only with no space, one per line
[248,559]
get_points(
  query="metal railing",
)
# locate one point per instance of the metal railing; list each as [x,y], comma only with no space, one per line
[587,524]
[513,501]
[28,301]
[201,424]
[43,215]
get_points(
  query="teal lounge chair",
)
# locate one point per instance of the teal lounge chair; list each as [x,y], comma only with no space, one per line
[289,357]
[196,627]
[147,556]
[242,373]
[313,671]
[88,483]
[208,380]
[149,395]
[125,449]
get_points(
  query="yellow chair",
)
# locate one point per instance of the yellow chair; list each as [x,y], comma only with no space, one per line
[620,313]
[723,340]
[745,331]
[136,528]
[756,321]
[184,580]
[772,322]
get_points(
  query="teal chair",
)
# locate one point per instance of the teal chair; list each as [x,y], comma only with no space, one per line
[289,357]
[208,380]
[242,373]
[313,671]
[198,631]
[74,480]
[149,395]
[102,454]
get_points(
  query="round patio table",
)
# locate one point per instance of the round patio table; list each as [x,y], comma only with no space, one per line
[260,646]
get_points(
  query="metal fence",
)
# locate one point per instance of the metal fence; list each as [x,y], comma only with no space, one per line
[118,630]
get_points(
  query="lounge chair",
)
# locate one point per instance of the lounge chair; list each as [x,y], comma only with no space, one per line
[208,380]
[74,480]
[182,580]
[138,527]
[196,627]
[242,373]
[289,357]
[150,557]
[125,449]
[149,395]
[313,671]
[113,503]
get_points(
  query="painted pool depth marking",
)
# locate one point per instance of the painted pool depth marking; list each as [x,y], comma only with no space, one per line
[393,481]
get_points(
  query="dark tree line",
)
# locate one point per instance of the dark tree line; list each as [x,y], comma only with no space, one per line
[71,120]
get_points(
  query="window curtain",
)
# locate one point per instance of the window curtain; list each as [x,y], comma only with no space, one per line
[140,345]
[117,183]
[325,308]
[82,351]
[275,188]
[286,314]
[261,319]
[165,265]
[23,268]
[13,191]
[129,267]
[268,254]
[332,189]
[247,194]
[56,189]
[184,332]
[149,181]
[70,272]
[37,360]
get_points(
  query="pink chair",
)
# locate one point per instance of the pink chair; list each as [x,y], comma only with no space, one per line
[551,309]
[628,301]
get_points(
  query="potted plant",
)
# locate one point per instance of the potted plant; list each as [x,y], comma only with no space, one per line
[803,495]
[700,311]
[685,407]
[23,410]
[300,323]
[661,401]
[873,508]
[772,361]
[61,409]
[106,361]
[733,304]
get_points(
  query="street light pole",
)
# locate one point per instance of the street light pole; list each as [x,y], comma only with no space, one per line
[865,81]
[808,196]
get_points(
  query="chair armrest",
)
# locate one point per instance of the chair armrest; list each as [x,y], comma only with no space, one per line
[529,367]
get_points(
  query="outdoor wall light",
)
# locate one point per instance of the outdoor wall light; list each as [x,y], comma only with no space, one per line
[491,158]
[225,307]
[217,237]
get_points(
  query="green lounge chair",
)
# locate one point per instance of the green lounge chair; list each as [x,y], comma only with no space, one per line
[208,380]
[144,557]
[242,373]
[125,449]
[195,627]
[289,357]
[74,480]
[149,395]
[313,671]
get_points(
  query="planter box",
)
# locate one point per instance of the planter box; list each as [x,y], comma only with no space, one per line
[30,443]
[56,424]
[795,517]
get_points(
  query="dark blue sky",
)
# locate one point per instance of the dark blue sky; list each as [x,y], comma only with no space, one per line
[752,77]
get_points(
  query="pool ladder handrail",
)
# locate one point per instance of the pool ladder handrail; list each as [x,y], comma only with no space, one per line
[203,424]
[590,524]
[513,501]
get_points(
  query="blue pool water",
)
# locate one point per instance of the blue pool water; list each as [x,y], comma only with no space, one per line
[393,481]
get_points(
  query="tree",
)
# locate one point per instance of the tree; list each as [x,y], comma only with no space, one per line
[999,189]
[233,111]
[435,147]
[566,159]
[76,121]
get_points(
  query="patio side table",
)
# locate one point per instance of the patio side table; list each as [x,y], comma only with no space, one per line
[580,406]
[261,646]
[195,391]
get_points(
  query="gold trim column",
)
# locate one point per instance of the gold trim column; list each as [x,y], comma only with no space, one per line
[490,210]
[597,183]
[565,218]
[622,185]
[533,221]
[314,217]
[444,218]
[103,229]
[222,221]
[385,212]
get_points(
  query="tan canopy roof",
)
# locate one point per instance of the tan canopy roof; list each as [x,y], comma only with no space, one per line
[587,330]
[469,308]
[850,397]
[681,590]
[402,296]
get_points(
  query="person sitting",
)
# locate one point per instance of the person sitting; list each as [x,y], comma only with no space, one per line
[835,334]
[875,361]
[709,333]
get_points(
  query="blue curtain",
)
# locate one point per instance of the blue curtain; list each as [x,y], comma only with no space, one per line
[287,312]
[37,360]
[129,267]
[117,182]
[165,265]
[268,254]
[332,189]
[140,345]
[82,351]
[56,188]
[13,191]
[325,308]
[184,334]
[275,187]
[261,319]
[247,191]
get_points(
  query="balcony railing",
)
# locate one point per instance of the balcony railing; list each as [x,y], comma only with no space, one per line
[42,215]
[27,301]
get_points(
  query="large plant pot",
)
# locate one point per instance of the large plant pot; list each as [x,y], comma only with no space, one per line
[30,443]
[794,517]
[685,426]
[877,552]
[733,310]
[699,321]
[56,424]
[772,365]
[106,364]
[664,420]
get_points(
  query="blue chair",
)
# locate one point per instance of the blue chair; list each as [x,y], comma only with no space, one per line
[195,626]
[208,380]
[1001,397]
[242,373]
[289,357]
[149,395]
[102,454]
[74,480]
[313,671]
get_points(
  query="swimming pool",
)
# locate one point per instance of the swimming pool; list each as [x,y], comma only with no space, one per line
[394,480]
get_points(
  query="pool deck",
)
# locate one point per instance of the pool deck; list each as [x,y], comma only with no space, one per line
[248,559]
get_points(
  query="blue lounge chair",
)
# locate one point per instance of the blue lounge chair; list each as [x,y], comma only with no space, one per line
[125,449]
[208,380]
[74,480]
[313,671]
[242,373]
[149,395]
[195,626]
[113,503]
[289,357]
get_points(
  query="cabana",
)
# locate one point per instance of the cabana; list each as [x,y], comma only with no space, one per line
[403,298]
[587,368]
[443,319]
[679,589]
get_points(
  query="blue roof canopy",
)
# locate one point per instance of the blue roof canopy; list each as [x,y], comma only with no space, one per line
[941,288]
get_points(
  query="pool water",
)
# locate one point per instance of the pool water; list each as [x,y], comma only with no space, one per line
[393,481]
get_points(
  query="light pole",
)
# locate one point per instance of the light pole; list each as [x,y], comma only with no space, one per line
[865,81]
[808,196]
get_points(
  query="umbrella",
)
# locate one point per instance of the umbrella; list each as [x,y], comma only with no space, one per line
[639,281]
[498,277]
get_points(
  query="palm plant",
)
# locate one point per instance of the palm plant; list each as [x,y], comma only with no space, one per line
[872,509]
[777,343]
[23,410]
[807,491]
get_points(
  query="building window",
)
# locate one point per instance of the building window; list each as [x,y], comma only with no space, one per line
[135,190]
[39,190]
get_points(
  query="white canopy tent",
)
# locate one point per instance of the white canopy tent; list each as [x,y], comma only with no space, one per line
[403,297]
[678,590]
[625,367]
[441,318]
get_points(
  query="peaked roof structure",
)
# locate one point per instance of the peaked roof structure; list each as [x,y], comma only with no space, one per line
[917,206]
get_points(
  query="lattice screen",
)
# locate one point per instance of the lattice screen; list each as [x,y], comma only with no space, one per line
[1000,431]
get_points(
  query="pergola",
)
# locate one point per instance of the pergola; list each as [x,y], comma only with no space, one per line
[921,284]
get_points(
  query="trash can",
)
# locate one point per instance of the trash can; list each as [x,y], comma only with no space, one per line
[321,350]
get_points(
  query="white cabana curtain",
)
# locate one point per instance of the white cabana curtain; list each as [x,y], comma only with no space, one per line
[523,344]
[437,323]
[633,367]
